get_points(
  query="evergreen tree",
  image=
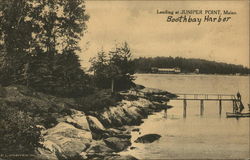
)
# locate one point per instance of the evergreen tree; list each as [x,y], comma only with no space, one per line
[15,37]
[114,70]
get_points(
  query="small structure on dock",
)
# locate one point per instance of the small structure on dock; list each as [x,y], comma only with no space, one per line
[237,109]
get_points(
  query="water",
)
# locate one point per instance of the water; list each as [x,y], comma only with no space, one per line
[208,137]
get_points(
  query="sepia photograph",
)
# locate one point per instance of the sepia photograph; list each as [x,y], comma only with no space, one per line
[124,79]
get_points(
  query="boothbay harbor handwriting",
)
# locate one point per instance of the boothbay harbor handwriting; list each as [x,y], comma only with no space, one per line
[197,19]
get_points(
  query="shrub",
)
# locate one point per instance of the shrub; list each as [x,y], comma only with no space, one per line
[98,100]
[19,134]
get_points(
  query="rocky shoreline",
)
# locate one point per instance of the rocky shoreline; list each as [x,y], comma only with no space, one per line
[71,134]
[101,134]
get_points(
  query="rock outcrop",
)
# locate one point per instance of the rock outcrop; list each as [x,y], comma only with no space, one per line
[71,134]
[101,134]
[100,150]
[95,124]
[96,127]
[66,140]
[78,119]
[74,137]
[117,144]
[112,132]
[126,113]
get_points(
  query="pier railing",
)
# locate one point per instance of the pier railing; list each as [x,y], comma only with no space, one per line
[208,97]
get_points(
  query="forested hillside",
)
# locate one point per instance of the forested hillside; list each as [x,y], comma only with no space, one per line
[188,65]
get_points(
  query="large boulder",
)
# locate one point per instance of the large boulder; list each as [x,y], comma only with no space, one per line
[96,127]
[78,119]
[112,132]
[44,154]
[136,110]
[118,116]
[148,138]
[121,157]
[135,115]
[113,116]
[66,140]
[104,118]
[117,144]
[95,124]
[126,113]
[98,149]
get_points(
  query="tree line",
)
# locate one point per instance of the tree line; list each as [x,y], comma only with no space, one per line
[188,65]
[38,46]
[38,49]
[39,41]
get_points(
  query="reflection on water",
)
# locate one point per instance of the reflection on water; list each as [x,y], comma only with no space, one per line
[208,136]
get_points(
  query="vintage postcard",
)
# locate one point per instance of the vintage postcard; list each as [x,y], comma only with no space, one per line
[124,79]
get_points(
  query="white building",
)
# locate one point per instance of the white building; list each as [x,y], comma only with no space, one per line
[166,70]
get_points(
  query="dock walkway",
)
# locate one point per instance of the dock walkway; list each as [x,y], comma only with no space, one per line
[208,97]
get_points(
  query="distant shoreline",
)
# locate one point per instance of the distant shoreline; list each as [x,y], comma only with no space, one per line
[195,74]
[180,65]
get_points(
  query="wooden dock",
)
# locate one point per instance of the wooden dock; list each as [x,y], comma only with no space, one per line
[208,97]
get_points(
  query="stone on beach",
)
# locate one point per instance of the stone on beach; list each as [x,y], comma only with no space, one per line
[121,157]
[148,138]
[136,129]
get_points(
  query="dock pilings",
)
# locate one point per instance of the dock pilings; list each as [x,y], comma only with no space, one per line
[207,97]
[220,107]
[202,108]
[184,108]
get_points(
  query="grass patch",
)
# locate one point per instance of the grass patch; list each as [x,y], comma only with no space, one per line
[98,100]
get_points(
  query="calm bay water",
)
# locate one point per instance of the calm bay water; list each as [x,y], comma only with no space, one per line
[208,137]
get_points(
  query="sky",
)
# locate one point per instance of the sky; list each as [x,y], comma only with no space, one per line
[149,34]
